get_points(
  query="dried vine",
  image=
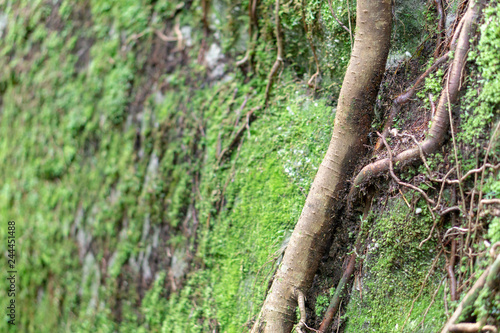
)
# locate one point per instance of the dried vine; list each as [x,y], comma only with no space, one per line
[279,55]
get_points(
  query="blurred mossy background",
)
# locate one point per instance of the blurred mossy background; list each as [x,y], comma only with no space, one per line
[114,116]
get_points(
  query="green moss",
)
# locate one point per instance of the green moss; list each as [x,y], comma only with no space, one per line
[322,302]
[93,170]
[81,179]
[483,98]
[393,273]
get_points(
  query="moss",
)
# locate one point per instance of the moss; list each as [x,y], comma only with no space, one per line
[110,138]
[94,177]
[394,271]
[482,97]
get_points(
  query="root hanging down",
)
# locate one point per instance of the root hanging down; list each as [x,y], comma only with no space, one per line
[337,297]
[252,9]
[301,300]
[314,78]
[405,97]
[489,279]
[335,302]
[440,121]
[441,25]
[279,56]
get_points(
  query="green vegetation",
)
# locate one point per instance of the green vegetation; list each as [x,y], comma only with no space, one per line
[483,96]
[395,269]
[98,168]
[322,302]
[110,142]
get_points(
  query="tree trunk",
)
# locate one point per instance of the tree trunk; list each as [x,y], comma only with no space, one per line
[352,124]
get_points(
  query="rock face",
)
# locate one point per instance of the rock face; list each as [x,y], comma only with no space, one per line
[153,192]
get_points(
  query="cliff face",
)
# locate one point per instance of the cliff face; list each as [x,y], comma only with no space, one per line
[153,191]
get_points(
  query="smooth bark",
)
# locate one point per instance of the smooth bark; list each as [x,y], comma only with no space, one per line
[347,146]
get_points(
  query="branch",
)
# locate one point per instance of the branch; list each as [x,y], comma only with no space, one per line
[489,277]
[442,18]
[279,56]
[338,21]
[393,175]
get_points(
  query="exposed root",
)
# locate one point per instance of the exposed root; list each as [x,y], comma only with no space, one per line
[252,8]
[397,180]
[472,328]
[279,56]
[248,54]
[405,97]
[457,32]
[334,304]
[301,300]
[453,281]
[490,277]
[450,265]
[450,210]
[313,80]
[442,181]
[473,171]
[441,32]
[346,276]
[441,121]
[489,202]
[164,37]
[238,135]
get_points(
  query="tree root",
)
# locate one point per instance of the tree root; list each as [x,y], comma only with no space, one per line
[250,117]
[472,328]
[397,180]
[335,302]
[450,265]
[346,276]
[279,56]
[252,8]
[473,171]
[441,122]
[315,76]
[490,277]
[301,300]
[441,33]
[405,97]
[167,39]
